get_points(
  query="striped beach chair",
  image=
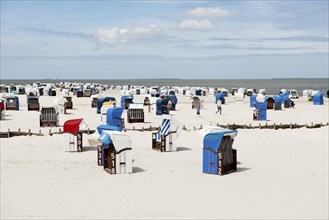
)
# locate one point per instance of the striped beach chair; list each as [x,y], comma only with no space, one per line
[165,139]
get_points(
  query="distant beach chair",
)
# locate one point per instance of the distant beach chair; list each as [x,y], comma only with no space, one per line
[174,101]
[126,100]
[147,101]
[318,99]
[270,103]
[166,138]
[100,102]
[218,155]
[60,105]
[48,117]
[238,98]
[135,113]
[68,103]
[259,113]
[87,92]
[2,109]
[162,106]
[33,103]
[114,117]
[12,102]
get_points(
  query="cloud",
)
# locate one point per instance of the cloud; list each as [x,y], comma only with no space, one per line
[301,38]
[207,13]
[75,35]
[190,24]
[114,36]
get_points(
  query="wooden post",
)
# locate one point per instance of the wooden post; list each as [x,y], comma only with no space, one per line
[274,125]
[39,131]
[312,124]
[142,129]
[49,131]
[133,128]
[29,132]
[194,128]
[8,133]
[184,128]
[59,130]
[245,126]
[19,130]
[290,125]
[260,126]
[88,131]
[200,126]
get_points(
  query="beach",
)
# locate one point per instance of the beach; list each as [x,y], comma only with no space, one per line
[281,173]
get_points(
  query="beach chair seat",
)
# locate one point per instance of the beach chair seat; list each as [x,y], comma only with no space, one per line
[33,103]
[260,111]
[135,113]
[68,103]
[48,117]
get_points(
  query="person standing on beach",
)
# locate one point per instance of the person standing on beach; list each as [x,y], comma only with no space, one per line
[219,106]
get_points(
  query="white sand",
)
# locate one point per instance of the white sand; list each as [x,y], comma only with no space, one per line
[281,173]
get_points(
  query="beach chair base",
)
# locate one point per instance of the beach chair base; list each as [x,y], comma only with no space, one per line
[165,145]
[159,146]
[48,124]
[115,162]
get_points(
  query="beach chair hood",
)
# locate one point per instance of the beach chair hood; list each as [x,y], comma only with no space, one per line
[114,117]
[72,126]
[120,140]
[102,128]
[213,140]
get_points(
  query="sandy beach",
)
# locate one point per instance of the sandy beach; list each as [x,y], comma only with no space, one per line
[282,174]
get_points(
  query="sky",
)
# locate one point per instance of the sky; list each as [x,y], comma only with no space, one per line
[164,39]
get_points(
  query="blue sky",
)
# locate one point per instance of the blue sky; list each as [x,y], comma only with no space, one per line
[164,39]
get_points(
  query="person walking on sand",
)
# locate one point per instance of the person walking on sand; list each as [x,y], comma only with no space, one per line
[198,111]
[219,107]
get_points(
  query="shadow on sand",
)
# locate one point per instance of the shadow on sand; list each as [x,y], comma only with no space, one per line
[183,148]
[138,170]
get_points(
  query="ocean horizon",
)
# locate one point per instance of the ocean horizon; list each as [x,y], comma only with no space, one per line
[273,85]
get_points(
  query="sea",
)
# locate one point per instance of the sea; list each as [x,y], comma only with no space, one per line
[272,86]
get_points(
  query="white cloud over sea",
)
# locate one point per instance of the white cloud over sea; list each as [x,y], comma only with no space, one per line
[207,13]
[190,24]
[115,35]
